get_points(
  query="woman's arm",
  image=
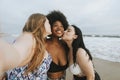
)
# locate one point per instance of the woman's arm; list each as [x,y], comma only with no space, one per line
[17,54]
[8,56]
[85,64]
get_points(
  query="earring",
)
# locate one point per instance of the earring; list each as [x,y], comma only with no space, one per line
[60,38]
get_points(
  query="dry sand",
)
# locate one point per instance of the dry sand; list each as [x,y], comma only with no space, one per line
[107,70]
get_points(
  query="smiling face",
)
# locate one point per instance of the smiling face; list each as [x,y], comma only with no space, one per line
[57,29]
[69,34]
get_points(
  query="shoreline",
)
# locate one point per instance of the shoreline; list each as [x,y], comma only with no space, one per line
[106,69]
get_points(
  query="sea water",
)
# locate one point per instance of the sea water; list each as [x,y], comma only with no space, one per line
[107,48]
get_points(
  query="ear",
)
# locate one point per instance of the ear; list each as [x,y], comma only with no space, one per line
[75,36]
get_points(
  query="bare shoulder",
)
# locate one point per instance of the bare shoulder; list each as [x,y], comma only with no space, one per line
[81,52]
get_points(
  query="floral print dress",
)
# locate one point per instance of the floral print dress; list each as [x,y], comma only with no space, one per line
[39,74]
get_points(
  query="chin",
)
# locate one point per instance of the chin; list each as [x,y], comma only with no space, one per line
[59,35]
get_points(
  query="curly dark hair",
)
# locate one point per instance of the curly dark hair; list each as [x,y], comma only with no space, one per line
[54,16]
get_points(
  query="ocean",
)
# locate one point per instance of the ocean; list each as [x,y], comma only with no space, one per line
[107,48]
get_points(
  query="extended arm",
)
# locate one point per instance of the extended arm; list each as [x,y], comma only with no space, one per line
[15,55]
[85,64]
[8,56]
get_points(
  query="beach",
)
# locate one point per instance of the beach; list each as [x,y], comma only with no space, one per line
[107,70]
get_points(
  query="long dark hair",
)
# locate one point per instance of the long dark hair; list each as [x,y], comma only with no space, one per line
[79,43]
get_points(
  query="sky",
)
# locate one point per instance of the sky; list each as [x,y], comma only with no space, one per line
[91,16]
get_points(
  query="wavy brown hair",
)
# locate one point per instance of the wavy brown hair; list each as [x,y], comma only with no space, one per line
[35,25]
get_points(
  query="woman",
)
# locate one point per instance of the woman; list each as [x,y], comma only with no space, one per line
[80,59]
[27,57]
[56,47]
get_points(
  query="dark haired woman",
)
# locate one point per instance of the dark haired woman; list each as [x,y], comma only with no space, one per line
[80,59]
[56,47]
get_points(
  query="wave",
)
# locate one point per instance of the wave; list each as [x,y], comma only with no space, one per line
[85,35]
[104,48]
[100,46]
[110,36]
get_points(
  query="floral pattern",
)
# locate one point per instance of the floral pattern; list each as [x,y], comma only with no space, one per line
[39,74]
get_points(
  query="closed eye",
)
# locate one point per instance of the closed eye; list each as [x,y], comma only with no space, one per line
[69,30]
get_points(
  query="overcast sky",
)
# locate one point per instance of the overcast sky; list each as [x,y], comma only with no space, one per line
[92,16]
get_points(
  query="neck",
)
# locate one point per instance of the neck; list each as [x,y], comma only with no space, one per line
[55,40]
[69,43]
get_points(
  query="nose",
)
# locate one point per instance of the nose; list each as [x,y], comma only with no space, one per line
[60,27]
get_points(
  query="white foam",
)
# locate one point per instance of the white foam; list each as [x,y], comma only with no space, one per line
[104,47]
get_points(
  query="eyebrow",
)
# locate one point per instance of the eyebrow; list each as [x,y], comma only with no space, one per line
[68,29]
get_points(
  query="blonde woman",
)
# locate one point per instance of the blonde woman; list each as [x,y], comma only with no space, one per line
[27,57]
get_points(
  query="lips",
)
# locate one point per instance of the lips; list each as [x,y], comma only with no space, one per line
[59,32]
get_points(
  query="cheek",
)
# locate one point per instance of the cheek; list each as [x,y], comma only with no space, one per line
[70,36]
[67,36]
[49,27]
[53,28]
[62,28]
[49,30]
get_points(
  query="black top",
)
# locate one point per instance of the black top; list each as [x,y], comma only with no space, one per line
[56,68]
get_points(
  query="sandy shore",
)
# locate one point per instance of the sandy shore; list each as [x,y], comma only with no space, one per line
[107,70]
